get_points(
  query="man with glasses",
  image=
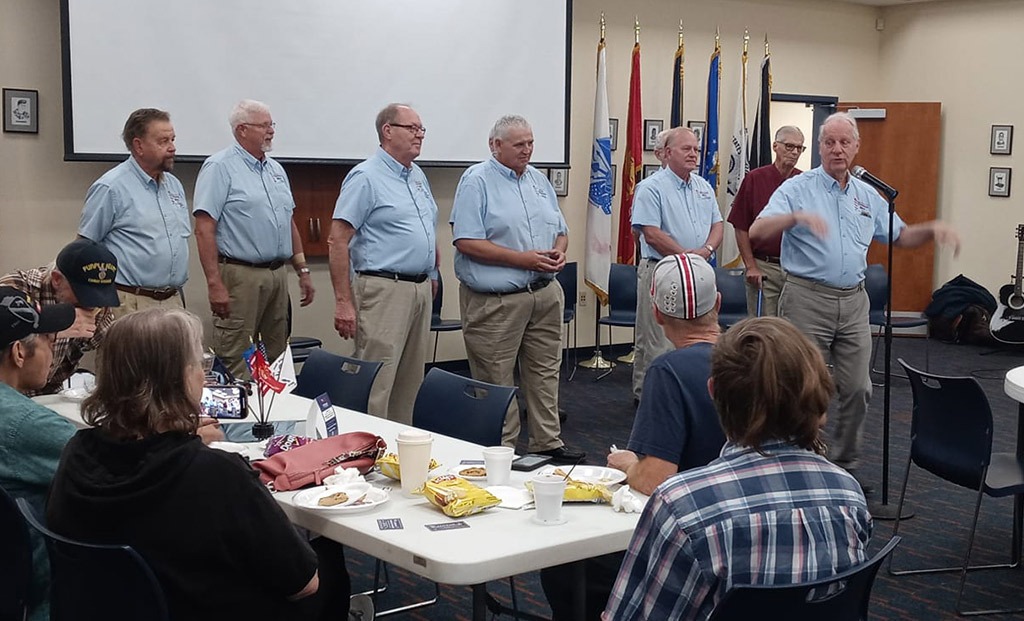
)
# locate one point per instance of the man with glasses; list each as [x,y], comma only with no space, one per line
[828,218]
[245,234]
[761,259]
[384,230]
[674,212]
[138,210]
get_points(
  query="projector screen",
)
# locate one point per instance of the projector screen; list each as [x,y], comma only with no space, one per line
[325,68]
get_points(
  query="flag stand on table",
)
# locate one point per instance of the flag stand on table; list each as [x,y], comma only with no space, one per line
[264,377]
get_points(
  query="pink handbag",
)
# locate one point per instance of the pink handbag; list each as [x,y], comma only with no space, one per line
[310,463]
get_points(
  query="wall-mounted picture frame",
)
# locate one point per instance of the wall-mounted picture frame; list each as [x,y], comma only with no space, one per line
[559,178]
[999,181]
[650,169]
[21,110]
[1001,141]
[652,127]
[615,178]
[698,130]
[613,132]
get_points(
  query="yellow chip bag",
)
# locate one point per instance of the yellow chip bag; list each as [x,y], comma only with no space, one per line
[456,496]
[581,491]
[388,466]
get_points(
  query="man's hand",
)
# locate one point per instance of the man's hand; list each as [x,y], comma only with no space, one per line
[306,287]
[622,460]
[220,301]
[84,326]
[345,319]
[209,430]
[754,276]
[812,221]
[559,257]
[541,261]
[945,235]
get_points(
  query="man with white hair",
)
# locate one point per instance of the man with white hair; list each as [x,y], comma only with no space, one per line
[384,230]
[510,241]
[828,218]
[245,234]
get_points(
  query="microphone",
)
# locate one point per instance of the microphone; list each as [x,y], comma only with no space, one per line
[883,187]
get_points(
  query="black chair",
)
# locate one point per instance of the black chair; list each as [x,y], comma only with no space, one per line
[347,381]
[15,561]
[876,283]
[842,597]
[951,437]
[732,286]
[461,407]
[567,279]
[301,345]
[621,301]
[438,325]
[90,582]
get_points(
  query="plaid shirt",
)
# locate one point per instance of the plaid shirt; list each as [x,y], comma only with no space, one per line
[66,352]
[784,517]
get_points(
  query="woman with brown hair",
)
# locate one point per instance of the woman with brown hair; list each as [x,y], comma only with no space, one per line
[218,543]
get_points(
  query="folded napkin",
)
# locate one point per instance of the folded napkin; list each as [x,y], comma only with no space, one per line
[343,476]
[625,501]
[511,497]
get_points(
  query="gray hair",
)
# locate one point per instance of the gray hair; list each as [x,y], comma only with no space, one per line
[387,115]
[841,117]
[661,139]
[788,129]
[244,110]
[675,131]
[505,123]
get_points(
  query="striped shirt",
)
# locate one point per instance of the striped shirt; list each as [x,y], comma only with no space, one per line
[782,517]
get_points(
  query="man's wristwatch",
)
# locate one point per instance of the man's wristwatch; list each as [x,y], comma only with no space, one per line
[711,250]
[302,270]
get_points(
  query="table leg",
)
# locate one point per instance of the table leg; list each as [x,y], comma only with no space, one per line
[479,602]
[579,590]
[1018,500]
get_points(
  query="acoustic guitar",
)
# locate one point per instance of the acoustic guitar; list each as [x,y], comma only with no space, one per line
[1007,323]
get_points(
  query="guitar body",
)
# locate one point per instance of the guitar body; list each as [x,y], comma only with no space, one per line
[1007,323]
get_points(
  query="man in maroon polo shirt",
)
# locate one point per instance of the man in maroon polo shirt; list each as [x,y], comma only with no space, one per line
[761,258]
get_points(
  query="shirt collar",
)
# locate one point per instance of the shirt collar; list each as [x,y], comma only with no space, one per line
[394,165]
[732,449]
[829,182]
[142,174]
[677,180]
[249,159]
[503,170]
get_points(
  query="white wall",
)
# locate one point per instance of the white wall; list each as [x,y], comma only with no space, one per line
[818,47]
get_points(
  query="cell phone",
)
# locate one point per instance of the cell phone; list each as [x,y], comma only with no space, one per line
[224,401]
[530,461]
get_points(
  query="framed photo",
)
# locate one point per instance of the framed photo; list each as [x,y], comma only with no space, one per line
[999,181]
[1001,142]
[650,169]
[613,131]
[21,111]
[559,180]
[698,130]
[652,127]
[615,178]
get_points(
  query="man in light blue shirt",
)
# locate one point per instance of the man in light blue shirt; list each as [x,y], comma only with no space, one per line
[245,234]
[138,211]
[829,218]
[675,211]
[510,240]
[384,231]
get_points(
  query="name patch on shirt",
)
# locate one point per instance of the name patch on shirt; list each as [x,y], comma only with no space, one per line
[278,178]
[861,208]
[702,194]
[176,199]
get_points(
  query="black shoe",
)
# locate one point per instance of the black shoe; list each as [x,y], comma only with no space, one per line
[562,455]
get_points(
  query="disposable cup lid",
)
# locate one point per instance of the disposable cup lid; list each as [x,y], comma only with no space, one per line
[415,436]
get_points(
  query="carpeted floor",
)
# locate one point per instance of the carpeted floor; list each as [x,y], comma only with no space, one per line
[600,413]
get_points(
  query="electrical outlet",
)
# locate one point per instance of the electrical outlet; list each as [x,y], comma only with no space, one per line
[583,298]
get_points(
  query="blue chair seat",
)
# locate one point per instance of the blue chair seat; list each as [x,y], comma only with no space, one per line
[733,289]
[347,381]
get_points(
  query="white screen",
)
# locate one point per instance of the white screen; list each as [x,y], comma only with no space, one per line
[325,68]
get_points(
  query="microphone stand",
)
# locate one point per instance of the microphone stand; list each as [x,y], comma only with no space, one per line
[885,511]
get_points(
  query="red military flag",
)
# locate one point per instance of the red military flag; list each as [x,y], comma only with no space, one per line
[632,164]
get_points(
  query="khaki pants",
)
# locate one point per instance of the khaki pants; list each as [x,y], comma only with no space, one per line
[500,330]
[771,287]
[393,327]
[131,303]
[651,341]
[259,310]
[838,322]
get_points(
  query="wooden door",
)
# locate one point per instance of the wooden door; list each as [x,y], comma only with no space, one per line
[903,149]
[315,188]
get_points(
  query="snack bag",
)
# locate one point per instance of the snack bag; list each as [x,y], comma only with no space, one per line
[456,496]
[580,491]
[388,466]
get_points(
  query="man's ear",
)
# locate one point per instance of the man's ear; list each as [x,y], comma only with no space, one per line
[659,317]
[711,387]
[718,302]
[17,354]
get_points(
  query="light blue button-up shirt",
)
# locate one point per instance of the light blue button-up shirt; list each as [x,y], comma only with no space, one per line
[520,213]
[684,210]
[145,224]
[252,203]
[394,215]
[854,217]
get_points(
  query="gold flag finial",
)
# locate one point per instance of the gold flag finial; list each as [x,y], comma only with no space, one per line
[718,37]
[746,40]
[766,44]
[602,26]
[680,33]
[636,30]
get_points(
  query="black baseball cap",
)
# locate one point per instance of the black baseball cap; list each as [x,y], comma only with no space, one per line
[21,316]
[90,269]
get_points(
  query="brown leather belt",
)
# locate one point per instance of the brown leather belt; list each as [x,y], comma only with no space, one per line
[270,265]
[417,278]
[154,294]
[768,259]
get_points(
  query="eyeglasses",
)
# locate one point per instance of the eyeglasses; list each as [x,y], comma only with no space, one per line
[799,148]
[415,129]
[263,126]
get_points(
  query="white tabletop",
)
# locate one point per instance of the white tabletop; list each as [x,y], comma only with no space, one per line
[1014,384]
[286,408]
[498,543]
